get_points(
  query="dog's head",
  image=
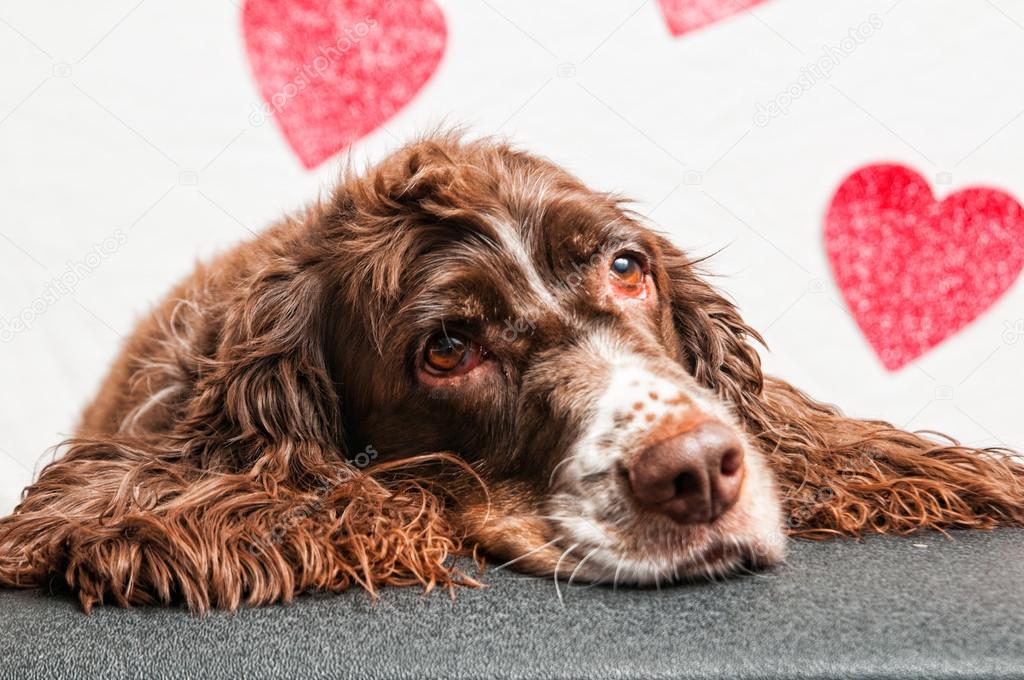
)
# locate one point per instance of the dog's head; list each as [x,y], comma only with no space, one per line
[494,307]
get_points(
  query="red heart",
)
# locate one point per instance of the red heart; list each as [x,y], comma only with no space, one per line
[683,16]
[331,71]
[913,270]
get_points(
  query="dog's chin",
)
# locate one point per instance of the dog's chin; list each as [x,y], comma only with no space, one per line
[654,551]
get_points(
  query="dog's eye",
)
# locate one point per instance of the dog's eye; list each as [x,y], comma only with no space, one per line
[447,353]
[628,274]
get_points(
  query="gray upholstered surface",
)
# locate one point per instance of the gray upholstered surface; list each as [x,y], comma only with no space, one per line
[919,607]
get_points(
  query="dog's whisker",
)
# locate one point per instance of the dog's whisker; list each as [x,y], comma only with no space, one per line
[581,563]
[567,459]
[618,568]
[560,518]
[558,567]
[526,554]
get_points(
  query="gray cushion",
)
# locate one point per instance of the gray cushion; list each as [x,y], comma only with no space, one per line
[924,606]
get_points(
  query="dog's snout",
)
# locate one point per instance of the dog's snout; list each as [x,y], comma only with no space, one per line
[692,477]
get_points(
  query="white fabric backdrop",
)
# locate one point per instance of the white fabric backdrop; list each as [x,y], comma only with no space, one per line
[127,122]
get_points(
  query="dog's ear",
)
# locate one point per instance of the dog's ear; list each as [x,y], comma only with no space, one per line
[244,493]
[716,342]
[268,397]
[838,475]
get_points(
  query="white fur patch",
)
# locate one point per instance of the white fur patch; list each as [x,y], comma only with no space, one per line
[512,243]
[635,401]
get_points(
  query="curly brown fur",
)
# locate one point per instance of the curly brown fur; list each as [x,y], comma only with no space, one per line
[224,461]
[118,525]
[847,477]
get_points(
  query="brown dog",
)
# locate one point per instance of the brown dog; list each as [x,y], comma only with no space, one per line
[463,347]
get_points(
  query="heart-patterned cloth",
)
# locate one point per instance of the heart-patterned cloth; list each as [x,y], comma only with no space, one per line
[914,270]
[683,16]
[330,71]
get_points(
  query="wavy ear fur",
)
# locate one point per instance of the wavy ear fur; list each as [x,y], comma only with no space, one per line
[838,475]
[238,489]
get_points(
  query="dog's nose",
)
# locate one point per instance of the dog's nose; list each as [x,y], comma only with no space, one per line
[692,477]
